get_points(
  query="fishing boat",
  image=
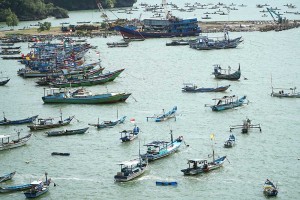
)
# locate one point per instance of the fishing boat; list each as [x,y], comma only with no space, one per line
[210,43]
[67,132]
[7,143]
[227,102]
[88,81]
[4,80]
[6,121]
[230,142]
[129,135]
[228,76]
[189,87]
[166,183]
[282,93]
[180,42]
[14,188]
[59,154]
[160,149]
[270,189]
[109,124]
[49,123]
[165,116]
[8,176]
[117,44]
[131,169]
[38,188]
[81,96]
[246,126]
[171,26]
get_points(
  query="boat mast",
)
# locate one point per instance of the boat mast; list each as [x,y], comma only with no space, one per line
[164,5]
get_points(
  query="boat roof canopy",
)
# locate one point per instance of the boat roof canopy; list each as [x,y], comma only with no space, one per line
[4,136]
[36,182]
[129,163]
[197,160]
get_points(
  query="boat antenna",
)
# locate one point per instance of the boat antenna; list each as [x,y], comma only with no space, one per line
[46,174]
[171,132]
[212,137]
[60,115]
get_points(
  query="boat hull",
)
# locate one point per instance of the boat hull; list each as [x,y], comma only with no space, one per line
[96,99]
[15,144]
[67,132]
[36,194]
[21,121]
[123,178]
[14,188]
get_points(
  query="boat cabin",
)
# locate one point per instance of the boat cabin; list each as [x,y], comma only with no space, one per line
[196,163]
[128,167]
[226,100]
[45,121]
[156,146]
[4,139]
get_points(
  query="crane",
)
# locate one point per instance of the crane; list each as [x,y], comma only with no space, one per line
[277,15]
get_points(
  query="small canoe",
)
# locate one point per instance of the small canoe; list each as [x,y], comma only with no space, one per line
[6,177]
[4,81]
[67,132]
[59,154]
[14,188]
[166,183]
[19,121]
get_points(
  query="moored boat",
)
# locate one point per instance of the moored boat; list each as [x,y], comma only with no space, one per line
[160,149]
[109,124]
[282,93]
[7,143]
[230,142]
[270,189]
[129,135]
[6,121]
[166,183]
[38,188]
[8,176]
[67,132]
[4,80]
[165,116]
[81,96]
[229,76]
[14,188]
[188,87]
[246,126]
[59,154]
[227,102]
[178,42]
[49,123]
[171,26]
[131,169]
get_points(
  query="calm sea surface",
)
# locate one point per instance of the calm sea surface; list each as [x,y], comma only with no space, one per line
[154,75]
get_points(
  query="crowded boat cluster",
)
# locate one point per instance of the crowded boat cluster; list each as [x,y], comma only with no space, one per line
[60,66]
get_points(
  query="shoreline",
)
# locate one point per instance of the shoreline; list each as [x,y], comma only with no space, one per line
[206,27]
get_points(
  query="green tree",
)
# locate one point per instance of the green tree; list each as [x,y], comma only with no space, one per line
[12,19]
[44,26]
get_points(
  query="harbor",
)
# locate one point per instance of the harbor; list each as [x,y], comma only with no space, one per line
[171,93]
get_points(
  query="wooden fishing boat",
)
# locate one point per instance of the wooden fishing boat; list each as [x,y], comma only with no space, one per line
[270,189]
[4,80]
[7,143]
[166,183]
[282,93]
[160,149]
[59,154]
[129,135]
[188,87]
[229,76]
[38,188]
[11,57]
[81,96]
[165,116]
[8,176]
[49,123]
[117,44]
[5,121]
[246,126]
[230,142]
[227,102]
[67,132]
[89,81]
[131,169]
[14,188]
[109,124]
[177,42]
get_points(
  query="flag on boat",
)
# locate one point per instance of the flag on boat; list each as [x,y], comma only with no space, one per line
[132,120]
[212,136]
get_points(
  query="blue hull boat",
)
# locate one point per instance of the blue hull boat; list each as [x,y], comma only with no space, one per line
[166,183]
[109,124]
[228,102]
[14,188]
[21,121]
[160,149]
[7,176]
[165,116]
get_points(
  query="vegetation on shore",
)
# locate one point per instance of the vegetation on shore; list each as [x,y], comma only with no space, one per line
[11,11]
